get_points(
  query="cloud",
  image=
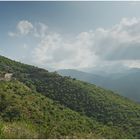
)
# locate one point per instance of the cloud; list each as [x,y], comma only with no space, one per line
[117,45]
[56,52]
[132,64]
[121,42]
[40,30]
[23,27]
[11,34]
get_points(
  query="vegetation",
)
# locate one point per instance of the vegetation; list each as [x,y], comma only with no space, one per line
[27,114]
[126,83]
[52,106]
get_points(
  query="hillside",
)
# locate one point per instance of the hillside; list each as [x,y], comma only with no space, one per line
[83,76]
[125,83]
[28,114]
[102,106]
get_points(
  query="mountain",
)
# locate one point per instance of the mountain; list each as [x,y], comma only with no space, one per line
[40,99]
[83,76]
[28,114]
[125,83]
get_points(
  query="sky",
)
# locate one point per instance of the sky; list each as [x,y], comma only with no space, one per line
[72,35]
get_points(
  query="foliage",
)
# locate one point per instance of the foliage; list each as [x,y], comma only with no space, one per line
[86,111]
[28,114]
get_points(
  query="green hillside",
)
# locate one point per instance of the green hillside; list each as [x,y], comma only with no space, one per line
[118,117]
[27,114]
[125,83]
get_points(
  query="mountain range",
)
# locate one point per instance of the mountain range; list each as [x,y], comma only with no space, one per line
[126,83]
[37,103]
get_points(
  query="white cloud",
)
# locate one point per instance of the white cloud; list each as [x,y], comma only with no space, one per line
[118,45]
[11,34]
[23,27]
[56,52]
[131,63]
[121,42]
[40,30]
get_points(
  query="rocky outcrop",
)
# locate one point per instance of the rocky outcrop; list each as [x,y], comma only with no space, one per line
[6,77]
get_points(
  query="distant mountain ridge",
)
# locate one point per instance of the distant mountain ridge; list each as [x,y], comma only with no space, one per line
[80,75]
[125,83]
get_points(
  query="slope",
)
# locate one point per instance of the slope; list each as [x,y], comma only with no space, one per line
[97,103]
[125,83]
[83,76]
[27,114]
